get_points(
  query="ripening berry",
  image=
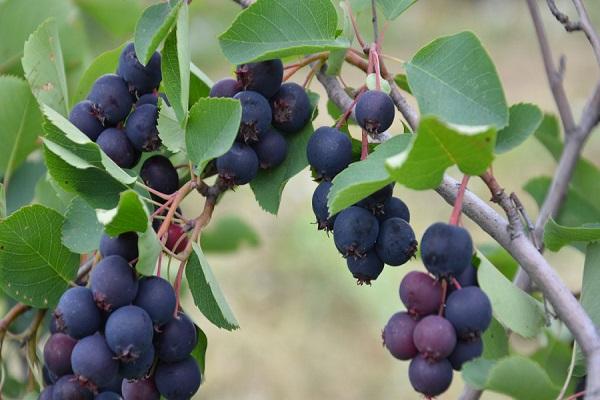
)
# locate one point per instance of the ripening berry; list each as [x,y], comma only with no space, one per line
[396,243]
[143,389]
[291,108]
[264,76]
[118,147]
[177,239]
[111,98]
[226,87]
[355,231]
[46,393]
[329,151]
[398,336]
[57,354]
[420,293]
[430,378]
[434,337]
[86,118]
[142,79]
[375,111]
[446,249]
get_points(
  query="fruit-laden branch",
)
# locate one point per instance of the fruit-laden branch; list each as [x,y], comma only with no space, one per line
[519,246]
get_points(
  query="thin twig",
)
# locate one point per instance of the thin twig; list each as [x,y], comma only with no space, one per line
[375,23]
[563,18]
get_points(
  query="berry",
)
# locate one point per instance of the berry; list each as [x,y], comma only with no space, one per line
[319,206]
[46,393]
[239,165]
[124,245]
[256,116]
[396,243]
[465,351]
[143,389]
[110,96]
[291,108]
[76,313]
[138,368]
[394,208]
[366,268]
[434,337]
[148,98]
[329,151]
[430,378]
[113,386]
[264,77]
[375,201]
[108,396]
[142,79]
[175,232]
[470,311]
[420,293]
[446,250]
[113,283]
[85,117]
[226,87]
[468,277]
[157,297]
[118,148]
[49,377]
[177,339]
[93,361]
[69,388]
[57,354]
[141,128]
[129,332]
[178,381]
[159,174]
[398,336]
[375,111]
[271,149]
[355,231]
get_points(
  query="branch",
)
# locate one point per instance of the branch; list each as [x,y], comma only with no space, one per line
[563,18]
[244,3]
[588,28]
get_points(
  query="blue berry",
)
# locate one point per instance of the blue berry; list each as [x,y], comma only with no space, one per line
[129,332]
[46,393]
[465,351]
[329,151]
[446,249]
[141,128]
[118,147]
[355,231]
[375,111]
[264,76]
[110,96]
[256,116]
[366,268]
[157,297]
[86,118]
[138,368]
[291,108]
[69,388]
[179,380]
[319,206]
[430,378]
[143,79]
[76,313]
[177,339]
[108,396]
[239,165]
[470,311]
[124,245]
[396,243]
[93,361]
[159,174]
[225,88]
[394,208]
[113,283]
[375,201]
[271,149]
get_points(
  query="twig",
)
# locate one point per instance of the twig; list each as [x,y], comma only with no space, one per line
[563,18]
[375,24]
[359,38]
[244,3]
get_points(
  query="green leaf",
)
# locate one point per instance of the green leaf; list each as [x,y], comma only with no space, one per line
[337,57]
[393,8]
[438,146]
[170,131]
[287,28]
[227,235]
[362,178]
[105,63]
[199,352]
[35,267]
[81,231]
[176,65]
[130,215]
[212,126]
[44,67]
[152,27]
[495,341]
[402,82]
[555,357]
[500,258]
[512,307]
[269,184]
[589,295]
[516,376]
[149,250]
[20,119]
[3,213]
[523,121]
[49,194]
[21,189]
[200,84]
[454,78]
[557,236]
[117,17]
[206,291]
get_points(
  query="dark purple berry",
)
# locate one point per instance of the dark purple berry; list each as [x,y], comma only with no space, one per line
[108,396]
[70,388]
[76,313]
[355,231]
[446,249]
[129,332]
[394,208]
[375,201]
[430,378]
[420,293]
[57,354]
[470,311]
[396,243]
[159,174]
[148,98]
[113,283]
[434,337]
[93,361]
[141,128]
[256,116]
[291,108]
[142,79]
[113,386]
[329,151]
[124,245]
[118,147]
[138,368]
[375,111]
[49,377]
[85,117]
[157,297]
[366,268]
[179,380]
[319,206]
[110,96]
[398,336]
[264,76]
[271,149]
[465,351]
[177,339]
[226,87]
[46,393]
[239,165]
[143,389]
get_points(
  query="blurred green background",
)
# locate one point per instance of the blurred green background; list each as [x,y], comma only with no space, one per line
[307,330]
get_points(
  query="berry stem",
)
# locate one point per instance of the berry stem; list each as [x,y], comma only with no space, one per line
[456,283]
[179,196]
[375,56]
[457,210]
[344,118]
[154,192]
[375,24]
[576,395]
[308,60]
[444,293]
[312,73]
[359,38]
[364,150]
[159,264]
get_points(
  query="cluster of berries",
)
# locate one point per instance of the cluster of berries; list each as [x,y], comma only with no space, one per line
[446,315]
[120,337]
[270,110]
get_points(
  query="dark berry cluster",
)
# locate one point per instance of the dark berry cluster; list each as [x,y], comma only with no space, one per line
[106,116]
[439,332]
[270,110]
[120,335]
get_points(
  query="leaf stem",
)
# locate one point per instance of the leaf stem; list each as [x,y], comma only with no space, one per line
[323,56]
